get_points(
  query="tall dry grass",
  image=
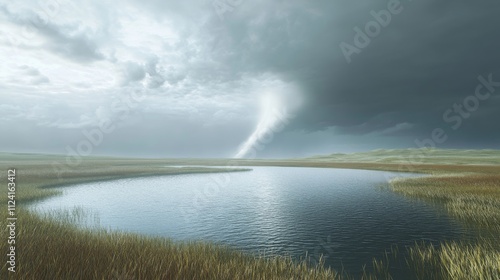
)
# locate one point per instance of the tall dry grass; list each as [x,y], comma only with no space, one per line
[55,249]
[473,199]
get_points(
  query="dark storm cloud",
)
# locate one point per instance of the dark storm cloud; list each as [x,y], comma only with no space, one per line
[426,59]
[205,71]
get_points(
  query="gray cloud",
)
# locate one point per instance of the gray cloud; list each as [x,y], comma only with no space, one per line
[196,66]
[31,76]
[132,72]
[65,40]
[40,80]
[77,47]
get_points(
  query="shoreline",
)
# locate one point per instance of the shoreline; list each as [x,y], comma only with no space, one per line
[43,183]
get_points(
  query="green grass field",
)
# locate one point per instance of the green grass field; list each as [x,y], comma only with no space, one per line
[467,183]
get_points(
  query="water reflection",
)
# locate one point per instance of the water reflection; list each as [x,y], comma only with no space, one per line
[339,213]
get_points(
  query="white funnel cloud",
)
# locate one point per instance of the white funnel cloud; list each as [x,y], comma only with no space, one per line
[275,108]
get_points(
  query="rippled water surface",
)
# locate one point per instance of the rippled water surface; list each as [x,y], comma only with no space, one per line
[342,214]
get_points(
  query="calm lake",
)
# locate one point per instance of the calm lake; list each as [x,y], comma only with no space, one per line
[342,214]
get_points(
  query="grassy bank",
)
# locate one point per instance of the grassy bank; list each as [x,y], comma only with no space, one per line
[473,199]
[39,176]
[54,249]
[467,183]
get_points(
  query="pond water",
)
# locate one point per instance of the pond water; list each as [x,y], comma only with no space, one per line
[342,214]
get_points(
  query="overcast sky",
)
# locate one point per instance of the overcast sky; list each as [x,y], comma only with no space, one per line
[263,78]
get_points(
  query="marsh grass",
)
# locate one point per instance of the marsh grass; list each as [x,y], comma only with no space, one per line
[455,260]
[473,199]
[77,216]
[53,247]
